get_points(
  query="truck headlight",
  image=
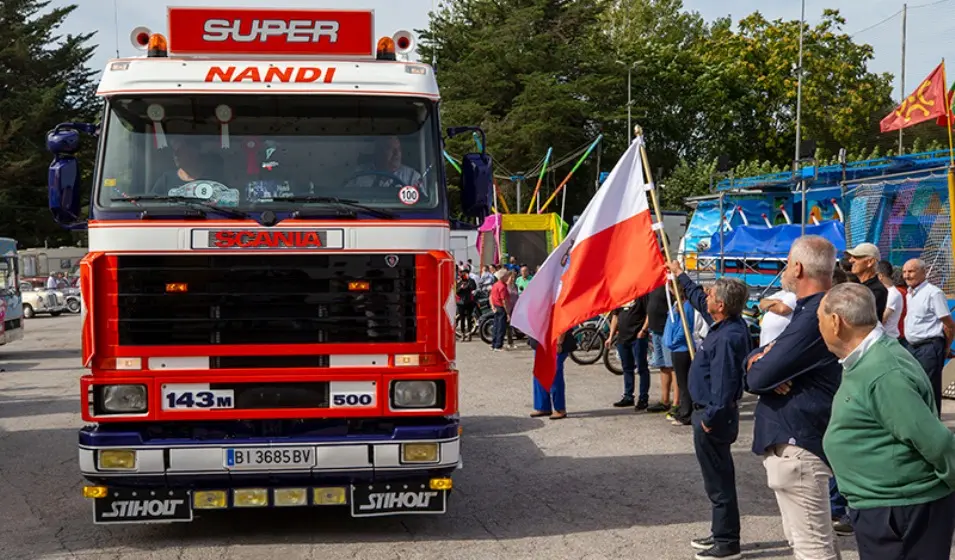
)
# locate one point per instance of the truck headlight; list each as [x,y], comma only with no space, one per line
[415,394]
[124,398]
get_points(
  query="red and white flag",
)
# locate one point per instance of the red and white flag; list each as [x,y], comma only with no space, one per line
[610,257]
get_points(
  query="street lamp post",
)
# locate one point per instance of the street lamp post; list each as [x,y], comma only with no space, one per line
[630,68]
[802,25]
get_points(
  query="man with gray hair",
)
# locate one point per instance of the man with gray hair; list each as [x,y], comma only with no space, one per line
[893,458]
[716,386]
[796,377]
[928,325]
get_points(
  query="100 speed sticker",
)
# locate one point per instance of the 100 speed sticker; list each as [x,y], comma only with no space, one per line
[409,195]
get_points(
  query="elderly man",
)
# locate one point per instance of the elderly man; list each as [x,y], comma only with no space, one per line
[894,460]
[928,325]
[796,377]
[865,261]
[716,385]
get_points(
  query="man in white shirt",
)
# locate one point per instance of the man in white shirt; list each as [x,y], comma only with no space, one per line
[51,282]
[894,303]
[928,325]
[779,309]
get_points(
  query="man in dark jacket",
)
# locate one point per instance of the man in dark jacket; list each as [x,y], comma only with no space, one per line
[796,377]
[716,385]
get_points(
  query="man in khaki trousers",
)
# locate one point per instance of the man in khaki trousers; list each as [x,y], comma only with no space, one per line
[796,377]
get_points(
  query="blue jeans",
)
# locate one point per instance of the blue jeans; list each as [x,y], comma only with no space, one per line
[500,326]
[554,400]
[837,503]
[633,356]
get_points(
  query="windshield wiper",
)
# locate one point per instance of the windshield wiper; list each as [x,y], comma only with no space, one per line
[184,200]
[343,202]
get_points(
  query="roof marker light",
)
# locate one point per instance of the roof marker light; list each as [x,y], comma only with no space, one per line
[386,49]
[158,47]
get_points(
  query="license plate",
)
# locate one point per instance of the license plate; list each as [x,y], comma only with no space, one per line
[142,506]
[239,458]
[373,500]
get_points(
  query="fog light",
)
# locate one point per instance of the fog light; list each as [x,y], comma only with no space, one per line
[440,484]
[419,452]
[329,496]
[415,394]
[210,499]
[291,496]
[250,497]
[95,491]
[117,459]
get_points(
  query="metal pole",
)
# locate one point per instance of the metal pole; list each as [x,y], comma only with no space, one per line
[563,205]
[720,226]
[629,100]
[519,193]
[905,13]
[597,182]
[802,25]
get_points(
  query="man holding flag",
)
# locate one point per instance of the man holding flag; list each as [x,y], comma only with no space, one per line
[611,257]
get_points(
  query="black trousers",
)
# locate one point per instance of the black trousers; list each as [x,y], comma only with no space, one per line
[919,532]
[931,355]
[681,366]
[719,473]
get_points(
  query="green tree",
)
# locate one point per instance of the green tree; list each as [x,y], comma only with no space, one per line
[518,69]
[44,80]
[842,101]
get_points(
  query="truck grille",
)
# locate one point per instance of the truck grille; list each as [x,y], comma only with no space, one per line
[264,299]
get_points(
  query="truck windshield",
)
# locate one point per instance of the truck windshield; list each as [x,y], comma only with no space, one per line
[249,152]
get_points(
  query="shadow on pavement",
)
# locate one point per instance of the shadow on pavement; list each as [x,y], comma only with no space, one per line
[29,406]
[40,355]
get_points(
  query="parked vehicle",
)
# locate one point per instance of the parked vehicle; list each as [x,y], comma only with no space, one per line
[40,300]
[11,310]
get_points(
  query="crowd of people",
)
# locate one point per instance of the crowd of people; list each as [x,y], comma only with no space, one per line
[500,284]
[847,422]
[848,375]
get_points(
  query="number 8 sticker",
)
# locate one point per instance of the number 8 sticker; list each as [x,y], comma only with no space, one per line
[408,195]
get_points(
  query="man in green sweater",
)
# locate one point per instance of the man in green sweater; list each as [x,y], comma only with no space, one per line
[893,458]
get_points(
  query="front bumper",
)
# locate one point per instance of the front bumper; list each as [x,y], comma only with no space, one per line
[171,479]
[179,463]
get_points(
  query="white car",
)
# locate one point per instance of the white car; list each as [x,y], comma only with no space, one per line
[41,300]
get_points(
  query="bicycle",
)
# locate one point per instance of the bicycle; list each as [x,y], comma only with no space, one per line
[591,337]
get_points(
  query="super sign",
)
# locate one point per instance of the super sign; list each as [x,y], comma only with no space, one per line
[277,32]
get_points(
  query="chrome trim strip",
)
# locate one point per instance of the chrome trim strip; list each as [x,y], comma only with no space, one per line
[331,458]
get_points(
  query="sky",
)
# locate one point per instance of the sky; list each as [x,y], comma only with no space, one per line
[930,23]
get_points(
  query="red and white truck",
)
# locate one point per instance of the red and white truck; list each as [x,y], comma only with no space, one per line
[268,296]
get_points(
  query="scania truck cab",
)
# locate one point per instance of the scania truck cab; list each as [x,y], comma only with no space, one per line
[268,296]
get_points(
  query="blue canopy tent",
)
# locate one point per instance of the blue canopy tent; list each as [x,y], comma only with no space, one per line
[757,254]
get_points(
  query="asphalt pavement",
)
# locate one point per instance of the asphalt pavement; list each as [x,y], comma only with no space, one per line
[602,483]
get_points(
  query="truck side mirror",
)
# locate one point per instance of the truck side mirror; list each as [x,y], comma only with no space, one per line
[476,185]
[477,179]
[64,174]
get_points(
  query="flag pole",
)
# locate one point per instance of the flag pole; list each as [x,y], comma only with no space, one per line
[638,131]
[951,165]
[540,179]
